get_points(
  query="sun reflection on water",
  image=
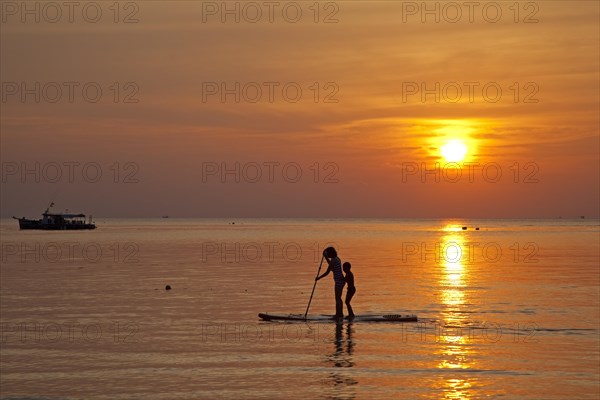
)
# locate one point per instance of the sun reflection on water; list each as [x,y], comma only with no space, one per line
[455,352]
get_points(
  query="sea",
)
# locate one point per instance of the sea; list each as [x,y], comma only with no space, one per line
[167,308]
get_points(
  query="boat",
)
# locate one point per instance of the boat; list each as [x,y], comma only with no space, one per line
[57,221]
[329,318]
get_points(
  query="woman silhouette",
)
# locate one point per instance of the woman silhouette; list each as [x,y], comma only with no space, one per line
[335,266]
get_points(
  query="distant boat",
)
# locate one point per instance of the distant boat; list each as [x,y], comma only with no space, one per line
[165,216]
[56,221]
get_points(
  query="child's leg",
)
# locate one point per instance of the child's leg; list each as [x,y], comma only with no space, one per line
[350,310]
[349,295]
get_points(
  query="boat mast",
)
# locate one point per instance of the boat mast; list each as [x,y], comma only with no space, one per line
[49,207]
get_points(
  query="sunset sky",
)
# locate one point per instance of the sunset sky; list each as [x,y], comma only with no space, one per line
[369,134]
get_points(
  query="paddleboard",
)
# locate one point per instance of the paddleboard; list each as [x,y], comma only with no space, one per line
[327,318]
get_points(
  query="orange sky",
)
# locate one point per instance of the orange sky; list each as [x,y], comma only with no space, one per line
[372,132]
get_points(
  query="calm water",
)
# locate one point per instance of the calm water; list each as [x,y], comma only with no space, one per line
[509,311]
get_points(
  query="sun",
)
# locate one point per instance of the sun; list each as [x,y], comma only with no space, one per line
[454,151]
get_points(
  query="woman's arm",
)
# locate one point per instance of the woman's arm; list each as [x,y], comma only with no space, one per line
[324,274]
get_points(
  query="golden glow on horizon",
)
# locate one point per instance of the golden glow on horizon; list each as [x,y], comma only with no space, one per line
[452,227]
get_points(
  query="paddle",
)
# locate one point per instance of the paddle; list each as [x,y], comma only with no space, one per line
[314,286]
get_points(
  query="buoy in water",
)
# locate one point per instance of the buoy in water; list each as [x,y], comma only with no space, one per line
[168,287]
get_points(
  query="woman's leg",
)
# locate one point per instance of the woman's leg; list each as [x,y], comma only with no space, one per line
[339,306]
